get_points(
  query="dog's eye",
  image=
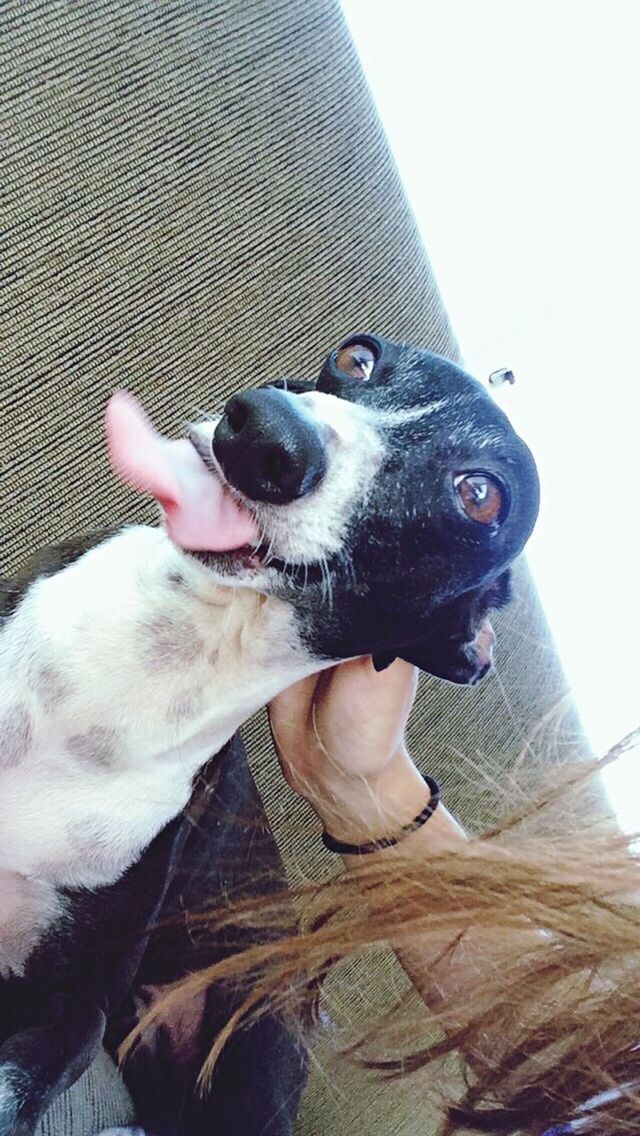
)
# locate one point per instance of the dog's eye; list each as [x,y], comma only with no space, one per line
[356,360]
[480,496]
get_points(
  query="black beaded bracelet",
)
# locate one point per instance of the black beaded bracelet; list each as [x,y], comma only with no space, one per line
[344,849]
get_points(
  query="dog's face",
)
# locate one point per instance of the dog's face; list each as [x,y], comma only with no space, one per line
[392,495]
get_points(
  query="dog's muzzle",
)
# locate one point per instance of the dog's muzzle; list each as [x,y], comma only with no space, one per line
[268,446]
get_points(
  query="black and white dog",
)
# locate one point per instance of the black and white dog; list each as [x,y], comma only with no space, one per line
[375,511]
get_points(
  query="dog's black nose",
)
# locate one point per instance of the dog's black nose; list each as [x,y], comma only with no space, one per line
[268,447]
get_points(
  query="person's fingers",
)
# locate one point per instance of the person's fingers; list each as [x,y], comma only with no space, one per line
[356,694]
[348,717]
[397,681]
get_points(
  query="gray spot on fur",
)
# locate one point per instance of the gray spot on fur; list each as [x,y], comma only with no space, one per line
[98,746]
[172,642]
[49,685]
[16,735]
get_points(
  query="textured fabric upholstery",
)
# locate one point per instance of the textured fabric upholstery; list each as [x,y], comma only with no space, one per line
[198,196]
[98,1100]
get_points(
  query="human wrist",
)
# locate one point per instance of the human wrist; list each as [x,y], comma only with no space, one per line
[356,808]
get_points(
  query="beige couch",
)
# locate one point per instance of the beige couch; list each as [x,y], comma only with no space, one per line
[199,196]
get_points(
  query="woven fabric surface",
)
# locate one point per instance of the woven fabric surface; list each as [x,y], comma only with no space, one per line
[198,197]
[98,1100]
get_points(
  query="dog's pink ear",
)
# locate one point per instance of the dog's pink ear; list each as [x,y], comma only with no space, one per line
[464,663]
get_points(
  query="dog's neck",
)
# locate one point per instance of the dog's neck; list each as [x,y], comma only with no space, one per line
[120,676]
[136,628]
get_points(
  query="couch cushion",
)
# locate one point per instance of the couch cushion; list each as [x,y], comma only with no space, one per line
[197,197]
[98,1100]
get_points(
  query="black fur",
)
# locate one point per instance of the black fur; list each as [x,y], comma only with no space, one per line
[416,577]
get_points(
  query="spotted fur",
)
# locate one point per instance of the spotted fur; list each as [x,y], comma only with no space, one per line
[148,690]
[121,673]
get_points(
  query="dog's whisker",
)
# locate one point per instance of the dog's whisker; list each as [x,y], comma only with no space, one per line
[259,542]
[349,568]
[327,590]
[269,553]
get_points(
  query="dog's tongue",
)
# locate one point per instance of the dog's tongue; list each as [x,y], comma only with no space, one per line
[200,514]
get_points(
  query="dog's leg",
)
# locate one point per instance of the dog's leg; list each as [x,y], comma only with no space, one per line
[44,1059]
[258,1083]
[46,1041]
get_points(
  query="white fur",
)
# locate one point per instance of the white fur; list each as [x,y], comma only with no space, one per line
[130,683]
[412,414]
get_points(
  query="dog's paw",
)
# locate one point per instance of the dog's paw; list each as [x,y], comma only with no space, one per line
[9,1098]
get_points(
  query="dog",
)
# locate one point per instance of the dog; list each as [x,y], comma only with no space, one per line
[375,511]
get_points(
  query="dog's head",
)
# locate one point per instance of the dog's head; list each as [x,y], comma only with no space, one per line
[387,500]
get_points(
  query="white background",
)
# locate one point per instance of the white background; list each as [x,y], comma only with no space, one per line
[516,128]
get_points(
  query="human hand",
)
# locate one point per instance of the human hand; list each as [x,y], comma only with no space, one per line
[340,740]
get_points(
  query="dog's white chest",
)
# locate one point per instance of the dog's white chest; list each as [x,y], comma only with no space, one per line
[118,681]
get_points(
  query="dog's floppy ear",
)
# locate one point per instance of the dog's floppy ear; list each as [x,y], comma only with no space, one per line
[460,640]
[455,661]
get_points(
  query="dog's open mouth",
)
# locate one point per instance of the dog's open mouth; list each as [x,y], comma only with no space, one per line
[201,513]
[259,558]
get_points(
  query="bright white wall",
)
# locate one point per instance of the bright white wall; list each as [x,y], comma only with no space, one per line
[516,128]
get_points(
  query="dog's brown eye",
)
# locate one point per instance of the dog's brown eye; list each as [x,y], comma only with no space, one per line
[356,360]
[480,496]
